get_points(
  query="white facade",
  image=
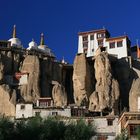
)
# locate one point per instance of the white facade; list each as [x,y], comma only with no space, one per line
[106,126]
[23,80]
[120,52]
[89,42]
[27,110]
[44,113]
[24,110]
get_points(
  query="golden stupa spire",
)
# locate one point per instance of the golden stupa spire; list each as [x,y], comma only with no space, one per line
[14,31]
[42,39]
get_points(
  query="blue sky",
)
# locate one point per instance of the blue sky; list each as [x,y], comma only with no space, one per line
[61,20]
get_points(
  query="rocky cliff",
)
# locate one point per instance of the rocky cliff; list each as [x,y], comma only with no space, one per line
[94,84]
[102,83]
[106,94]
[7,100]
[81,80]
[41,71]
[134,96]
[30,92]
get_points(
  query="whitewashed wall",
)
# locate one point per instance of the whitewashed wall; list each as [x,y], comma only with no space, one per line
[119,51]
[24,113]
[44,113]
[93,46]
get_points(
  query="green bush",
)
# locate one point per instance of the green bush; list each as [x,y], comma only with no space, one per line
[49,129]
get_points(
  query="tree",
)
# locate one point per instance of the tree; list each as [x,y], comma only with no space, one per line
[29,129]
[49,129]
[52,129]
[79,131]
[6,128]
[122,136]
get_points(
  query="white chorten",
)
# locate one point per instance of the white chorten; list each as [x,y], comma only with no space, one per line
[44,48]
[32,45]
[15,42]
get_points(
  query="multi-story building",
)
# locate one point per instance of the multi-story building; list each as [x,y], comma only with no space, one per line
[130,122]
[106,127]
[43,108]
[90,41]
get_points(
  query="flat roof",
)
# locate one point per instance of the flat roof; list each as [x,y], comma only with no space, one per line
[94,31]
[5,41]
[116,38]
[128,113]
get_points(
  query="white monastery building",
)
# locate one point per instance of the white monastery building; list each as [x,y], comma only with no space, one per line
[90,41]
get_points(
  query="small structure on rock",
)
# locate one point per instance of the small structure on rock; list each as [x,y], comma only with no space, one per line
[15,42]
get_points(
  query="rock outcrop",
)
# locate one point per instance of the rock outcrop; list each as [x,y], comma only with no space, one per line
[30,92]
[81,80]
[134,95]
[50,71]
[106,94]
[59,94]
[7,101]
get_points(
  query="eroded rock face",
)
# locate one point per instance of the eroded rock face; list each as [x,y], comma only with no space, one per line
[30,92]
[50,71]
[81,80]
[134,95]
[7,101]
[59,94]
[1,72]
[106,94]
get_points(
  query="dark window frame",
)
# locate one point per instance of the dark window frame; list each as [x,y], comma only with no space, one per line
[119,44]
[100,43]
[22,107]
[101,35]
[110,122]
[111,45]
[92,37]
[85,38]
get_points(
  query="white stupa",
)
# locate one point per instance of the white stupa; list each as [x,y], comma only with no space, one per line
[15,42]
[44,48]
[32,45]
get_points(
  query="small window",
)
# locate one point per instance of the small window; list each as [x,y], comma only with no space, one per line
[54,113]
[85,38]
[91,37]
[85,45]
[109,122]
[112,45]
[100,42]
[37,113]
[100,35]
[133,129]
[22,107]
[119,44]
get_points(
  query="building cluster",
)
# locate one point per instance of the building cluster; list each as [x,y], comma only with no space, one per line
[16,43]
[90,41]
[107,127]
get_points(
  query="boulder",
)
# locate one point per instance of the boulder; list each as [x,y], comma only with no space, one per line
[7,101]
[81,80]
[134,95]
[30,92]
[59,94]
